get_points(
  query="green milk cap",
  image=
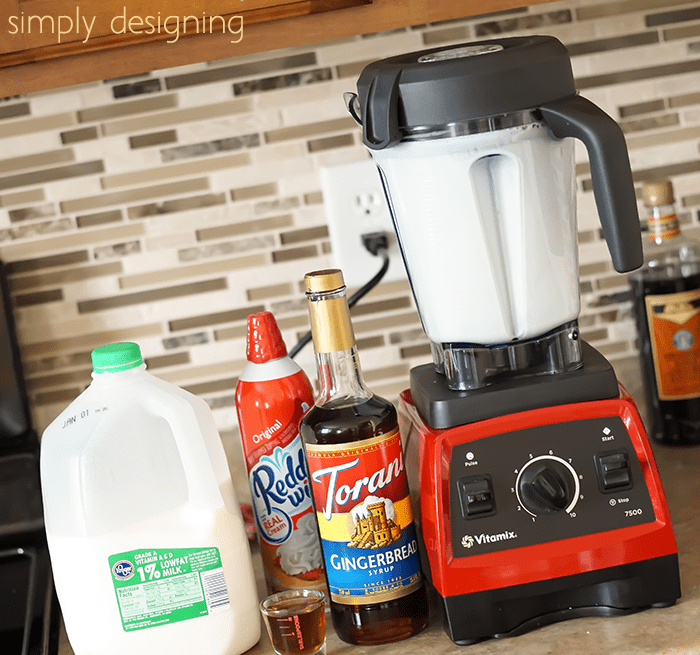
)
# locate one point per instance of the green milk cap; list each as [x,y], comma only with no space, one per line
[116,357]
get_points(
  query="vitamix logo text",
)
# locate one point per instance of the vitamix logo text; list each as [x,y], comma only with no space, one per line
[469,541]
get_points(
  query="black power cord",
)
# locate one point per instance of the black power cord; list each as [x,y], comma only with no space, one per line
[378,244]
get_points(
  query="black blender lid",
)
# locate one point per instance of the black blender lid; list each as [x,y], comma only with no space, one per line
[460,83]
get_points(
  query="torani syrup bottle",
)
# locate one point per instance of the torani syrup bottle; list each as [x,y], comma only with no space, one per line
[666,302]
[358,481]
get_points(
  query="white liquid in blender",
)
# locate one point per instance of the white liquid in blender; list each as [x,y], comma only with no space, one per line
[487,226]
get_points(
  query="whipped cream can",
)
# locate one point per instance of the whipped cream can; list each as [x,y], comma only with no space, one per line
[272,395]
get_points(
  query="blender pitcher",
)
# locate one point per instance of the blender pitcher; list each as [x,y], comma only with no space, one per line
[472,147]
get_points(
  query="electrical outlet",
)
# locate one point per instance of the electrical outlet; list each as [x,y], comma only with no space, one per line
[355,205]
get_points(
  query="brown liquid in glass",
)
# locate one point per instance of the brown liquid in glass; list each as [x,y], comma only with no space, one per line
[302,628]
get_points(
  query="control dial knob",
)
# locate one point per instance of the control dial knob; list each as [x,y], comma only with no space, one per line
[546,485]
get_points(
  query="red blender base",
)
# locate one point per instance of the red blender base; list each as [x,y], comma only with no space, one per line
[541,515]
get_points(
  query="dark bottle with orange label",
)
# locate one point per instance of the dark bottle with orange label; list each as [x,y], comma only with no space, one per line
[359,486]
[666,303]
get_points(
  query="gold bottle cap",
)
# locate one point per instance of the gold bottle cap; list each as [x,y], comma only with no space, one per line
[329,279]
[331,327]
[658,193]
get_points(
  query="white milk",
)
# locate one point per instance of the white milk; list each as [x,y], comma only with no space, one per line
[487,227]
[134,470]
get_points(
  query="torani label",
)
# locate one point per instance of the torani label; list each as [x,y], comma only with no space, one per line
[674,328]
[365,519]
[159,586]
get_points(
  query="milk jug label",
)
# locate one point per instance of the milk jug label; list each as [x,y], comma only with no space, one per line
[365,519]
[159,586]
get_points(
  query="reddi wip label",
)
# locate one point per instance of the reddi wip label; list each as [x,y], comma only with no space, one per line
[167,585]
[365,519]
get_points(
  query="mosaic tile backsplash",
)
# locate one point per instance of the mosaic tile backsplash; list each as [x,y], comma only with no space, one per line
[165,208]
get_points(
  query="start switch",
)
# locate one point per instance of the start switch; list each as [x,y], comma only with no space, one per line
[614,471]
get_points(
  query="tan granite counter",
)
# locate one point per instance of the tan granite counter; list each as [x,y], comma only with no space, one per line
[670,631]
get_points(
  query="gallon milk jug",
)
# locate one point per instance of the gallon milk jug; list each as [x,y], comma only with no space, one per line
[147,543]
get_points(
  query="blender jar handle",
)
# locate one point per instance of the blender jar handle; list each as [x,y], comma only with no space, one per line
[613,187]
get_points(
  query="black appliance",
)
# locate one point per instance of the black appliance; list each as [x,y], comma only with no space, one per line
[29,614]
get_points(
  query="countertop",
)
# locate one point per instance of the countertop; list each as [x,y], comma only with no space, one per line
[669,631]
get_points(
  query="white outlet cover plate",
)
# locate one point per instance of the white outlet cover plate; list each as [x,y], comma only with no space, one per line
[355,205]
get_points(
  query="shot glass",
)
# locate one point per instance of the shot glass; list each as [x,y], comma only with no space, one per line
[296,622]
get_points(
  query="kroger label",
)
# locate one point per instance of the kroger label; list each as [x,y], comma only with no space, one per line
[279,486]
[365,519]
[159,586]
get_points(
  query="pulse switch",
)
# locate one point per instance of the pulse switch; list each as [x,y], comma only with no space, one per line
[476,498]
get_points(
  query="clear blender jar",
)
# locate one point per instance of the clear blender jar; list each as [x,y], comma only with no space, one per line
[473,149]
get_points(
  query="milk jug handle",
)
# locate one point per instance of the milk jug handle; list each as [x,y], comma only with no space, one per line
[613,186]
[202,487]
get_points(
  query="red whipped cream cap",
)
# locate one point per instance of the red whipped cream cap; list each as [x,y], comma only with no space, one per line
[264,341]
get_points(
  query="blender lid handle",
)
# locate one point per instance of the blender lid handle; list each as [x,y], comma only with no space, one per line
[379,105]
[613,186]
[352,104]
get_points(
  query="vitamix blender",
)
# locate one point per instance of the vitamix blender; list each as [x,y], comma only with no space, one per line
[539,496]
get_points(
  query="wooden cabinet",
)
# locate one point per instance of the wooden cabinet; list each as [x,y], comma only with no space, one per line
[51,43]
